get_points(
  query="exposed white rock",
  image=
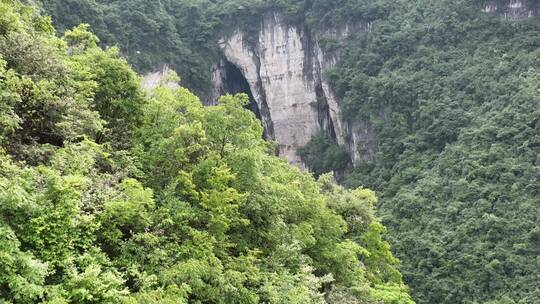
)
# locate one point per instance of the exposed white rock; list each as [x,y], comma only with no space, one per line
[284,69]
[284,65]
[356,136]
[514,10]
[155,79]
[280,75]
[217,78]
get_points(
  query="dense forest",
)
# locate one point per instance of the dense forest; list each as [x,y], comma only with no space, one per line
[113,194]
[157,198]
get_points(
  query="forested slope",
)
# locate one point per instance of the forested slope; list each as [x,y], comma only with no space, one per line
[452,94]
[111,194]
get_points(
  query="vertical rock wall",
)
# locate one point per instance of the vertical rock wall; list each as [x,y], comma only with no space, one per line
[155,79]
[275,68]
[513,9]
[284,68]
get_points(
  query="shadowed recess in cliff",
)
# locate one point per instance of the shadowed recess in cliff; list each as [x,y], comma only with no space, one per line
[235,82]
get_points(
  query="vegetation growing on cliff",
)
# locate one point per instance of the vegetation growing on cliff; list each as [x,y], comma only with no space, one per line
[452,94]
[458,166]
[323,155]
[109,194]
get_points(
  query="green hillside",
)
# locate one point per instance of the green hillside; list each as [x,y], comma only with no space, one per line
[112,194]
[452,93]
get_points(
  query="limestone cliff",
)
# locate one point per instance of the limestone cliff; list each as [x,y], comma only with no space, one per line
[282,68]
[513,9]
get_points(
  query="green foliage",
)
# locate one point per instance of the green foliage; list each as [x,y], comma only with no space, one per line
[111,195]
[443,74]
[448,90]
[21,274]
[117,96]
[323,155]
[491,212]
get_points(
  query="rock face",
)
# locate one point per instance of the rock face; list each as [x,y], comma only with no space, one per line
[283,67]
[155,79]
[513,9]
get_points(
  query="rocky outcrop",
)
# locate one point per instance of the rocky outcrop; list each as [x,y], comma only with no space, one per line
[513,9]
[155,79]
[283,69]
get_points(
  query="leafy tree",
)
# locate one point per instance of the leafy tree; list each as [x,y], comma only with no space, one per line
[323,155]
[109,194]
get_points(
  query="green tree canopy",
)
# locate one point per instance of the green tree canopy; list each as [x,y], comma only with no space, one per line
[111,194]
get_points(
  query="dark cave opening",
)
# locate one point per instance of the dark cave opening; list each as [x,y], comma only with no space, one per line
[235,82]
